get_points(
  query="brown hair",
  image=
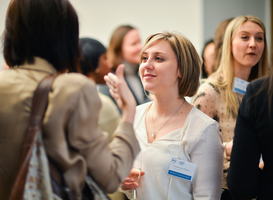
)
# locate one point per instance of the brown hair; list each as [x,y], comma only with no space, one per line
[188,60]
[218,42]
[114,52]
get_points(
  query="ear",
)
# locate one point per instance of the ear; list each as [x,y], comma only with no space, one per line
[179,74]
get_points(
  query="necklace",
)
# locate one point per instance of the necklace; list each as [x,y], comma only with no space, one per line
[155,131]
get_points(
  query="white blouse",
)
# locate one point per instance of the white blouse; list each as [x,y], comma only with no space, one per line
[201,144]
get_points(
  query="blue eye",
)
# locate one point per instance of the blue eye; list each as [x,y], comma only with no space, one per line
[259,38]
[244,37]
[159,59]
[144,58]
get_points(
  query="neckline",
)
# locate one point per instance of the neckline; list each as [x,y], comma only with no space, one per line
[145,129]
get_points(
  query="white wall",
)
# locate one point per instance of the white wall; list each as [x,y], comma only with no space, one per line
[196,19]
[3,8]
[217,10]
[99,19]
[268,24]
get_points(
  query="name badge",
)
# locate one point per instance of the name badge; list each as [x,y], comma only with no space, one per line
[182,169]
[240,85]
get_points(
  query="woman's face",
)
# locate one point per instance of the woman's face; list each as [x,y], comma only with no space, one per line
[131,47]
[158,69]
[209,57]
[104,67]
[247,45]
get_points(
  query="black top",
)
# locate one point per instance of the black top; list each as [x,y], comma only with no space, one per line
[253,138]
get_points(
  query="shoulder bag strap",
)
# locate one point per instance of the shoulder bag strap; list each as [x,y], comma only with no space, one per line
[39,106]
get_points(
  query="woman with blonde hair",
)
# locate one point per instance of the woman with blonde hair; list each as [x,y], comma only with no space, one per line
[244,59]
[171,132]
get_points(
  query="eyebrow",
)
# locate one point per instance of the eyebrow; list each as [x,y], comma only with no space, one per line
[248,32]
[156,53]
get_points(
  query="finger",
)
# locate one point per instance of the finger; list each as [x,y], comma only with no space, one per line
[113,94]
[129,186]
[120,71]
[110,79]
[116,97]
[128,179]
[105,78]
[110,85]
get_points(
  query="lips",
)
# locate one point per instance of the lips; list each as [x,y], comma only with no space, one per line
[148,75]
[251,53]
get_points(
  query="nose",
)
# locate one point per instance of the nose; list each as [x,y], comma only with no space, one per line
[252,42]
[147,65]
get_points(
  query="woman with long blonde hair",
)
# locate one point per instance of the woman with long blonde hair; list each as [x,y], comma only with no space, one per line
[244,59]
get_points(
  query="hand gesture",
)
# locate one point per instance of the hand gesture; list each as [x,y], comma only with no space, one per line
[129,182]
[122,94]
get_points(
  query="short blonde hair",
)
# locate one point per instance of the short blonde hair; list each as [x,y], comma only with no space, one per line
[188,60]
[226,70]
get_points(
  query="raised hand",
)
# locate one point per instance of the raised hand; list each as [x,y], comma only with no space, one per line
[122,94]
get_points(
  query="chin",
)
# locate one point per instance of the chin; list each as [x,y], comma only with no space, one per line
[149,89]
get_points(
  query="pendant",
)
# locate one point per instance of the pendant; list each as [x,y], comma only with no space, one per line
[153,135]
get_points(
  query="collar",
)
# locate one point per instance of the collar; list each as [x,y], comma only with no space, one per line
[39,64]
[130,69]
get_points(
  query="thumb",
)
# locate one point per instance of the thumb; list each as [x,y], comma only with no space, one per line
[120,71]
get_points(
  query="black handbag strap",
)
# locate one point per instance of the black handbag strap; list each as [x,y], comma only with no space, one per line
[39,106]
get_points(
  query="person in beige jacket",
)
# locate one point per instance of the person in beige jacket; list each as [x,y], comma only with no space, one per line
[41,39]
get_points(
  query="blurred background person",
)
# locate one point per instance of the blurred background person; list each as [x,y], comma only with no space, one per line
[41,38]
[124,48]
[94,65]
[244,56]
[208,59]
[218,42]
